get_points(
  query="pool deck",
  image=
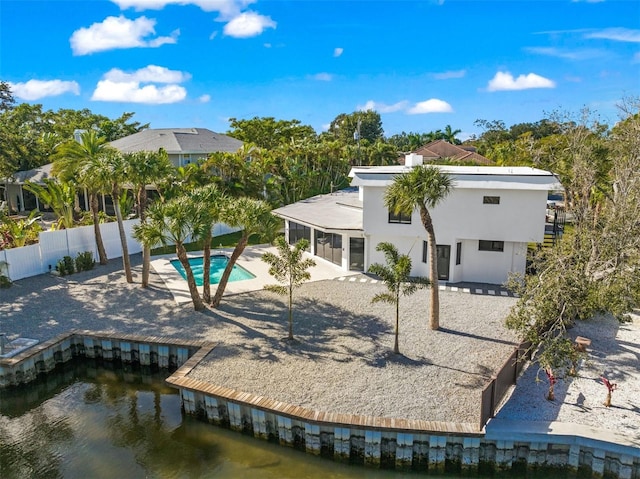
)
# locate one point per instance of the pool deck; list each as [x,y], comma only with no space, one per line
[251,260]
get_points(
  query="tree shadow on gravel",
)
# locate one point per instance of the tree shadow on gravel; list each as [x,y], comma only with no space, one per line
[318,327]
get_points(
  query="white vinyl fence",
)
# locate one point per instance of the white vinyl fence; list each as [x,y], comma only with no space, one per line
[42,258]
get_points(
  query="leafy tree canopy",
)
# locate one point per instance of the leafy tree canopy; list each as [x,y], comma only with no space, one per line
[267,132]
[344,126]
[6,97]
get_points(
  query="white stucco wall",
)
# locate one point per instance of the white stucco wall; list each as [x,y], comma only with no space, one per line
[462,217]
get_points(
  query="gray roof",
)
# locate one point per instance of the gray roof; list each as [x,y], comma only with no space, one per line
[35,176]
[338,211]
[177,140]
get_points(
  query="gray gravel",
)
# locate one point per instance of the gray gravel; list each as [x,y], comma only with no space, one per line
[341,359]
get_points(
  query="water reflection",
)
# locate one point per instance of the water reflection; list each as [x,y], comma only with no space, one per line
[91,422]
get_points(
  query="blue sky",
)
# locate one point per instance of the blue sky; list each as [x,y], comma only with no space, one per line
[421,64]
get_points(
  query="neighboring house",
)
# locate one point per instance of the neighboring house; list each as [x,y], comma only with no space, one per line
[184,145]
[17,199]
[482,227]
[461,154]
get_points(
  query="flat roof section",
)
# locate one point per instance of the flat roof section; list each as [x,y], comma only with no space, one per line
[340,210]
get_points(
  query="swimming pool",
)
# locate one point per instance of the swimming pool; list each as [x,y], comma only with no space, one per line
[218,264]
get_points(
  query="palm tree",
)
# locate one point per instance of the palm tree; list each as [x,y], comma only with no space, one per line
[67,166]
[60,196]
[145,168]
[172,222]
[252,217]
[421,188]
[450,135]
[108,171]
[395,275]
[207,201]
[289,268]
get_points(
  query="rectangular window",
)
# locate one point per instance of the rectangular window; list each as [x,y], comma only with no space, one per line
[491,200]
[458,253]
[425,251]
[400,218]
[486,245]
[298,232]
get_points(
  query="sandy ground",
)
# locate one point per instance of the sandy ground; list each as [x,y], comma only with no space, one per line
[341,359]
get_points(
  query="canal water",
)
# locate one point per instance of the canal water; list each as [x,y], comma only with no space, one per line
[90,422]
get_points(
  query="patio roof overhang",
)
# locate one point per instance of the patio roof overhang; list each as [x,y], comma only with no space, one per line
[335,212]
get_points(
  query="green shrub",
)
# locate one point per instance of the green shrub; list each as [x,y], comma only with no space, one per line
[85,261]
[5,282]
[65,266]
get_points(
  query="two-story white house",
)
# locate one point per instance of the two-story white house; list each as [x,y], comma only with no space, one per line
[482,227]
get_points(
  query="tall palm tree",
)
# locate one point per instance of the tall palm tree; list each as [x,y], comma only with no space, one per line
[108,170]
[422,188]
[172,222]
[450,135]
[145,168]
[252,217]
[68,161]
[207,201]
[395,275]
[289,268]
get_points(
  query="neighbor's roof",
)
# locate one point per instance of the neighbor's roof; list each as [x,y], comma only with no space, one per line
[341,210]
[177,140]
[439,149]
[479,177]
[36,175]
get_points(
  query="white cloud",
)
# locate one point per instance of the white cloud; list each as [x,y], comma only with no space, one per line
[506,81]
[566,54]
[432,105]
[617,34]
[117,32]
[324,76]
[132,92]
[248,24]
[337,52]
[450,74]
[226,8]
[36,89]
[383,107]
[204,99]
[140,86]
[148,74]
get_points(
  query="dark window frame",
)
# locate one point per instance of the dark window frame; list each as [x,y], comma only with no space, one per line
[490,200]
[400,218]
[458,253]
[425,251]
[491,245]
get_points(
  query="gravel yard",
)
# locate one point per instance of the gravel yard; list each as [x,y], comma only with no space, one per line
[341,359]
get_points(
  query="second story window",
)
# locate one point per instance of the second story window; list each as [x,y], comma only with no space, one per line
[491,200]
[400,218]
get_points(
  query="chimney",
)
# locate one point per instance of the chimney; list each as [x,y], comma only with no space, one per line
[412,160]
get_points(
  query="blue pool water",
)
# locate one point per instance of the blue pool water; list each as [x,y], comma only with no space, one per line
[218,264]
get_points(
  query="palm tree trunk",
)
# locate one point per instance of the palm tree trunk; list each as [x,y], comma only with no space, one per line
[181,252]
[206,266]
[434,318]
[396,347]
[237,251]
[94,206]
[115,196]
[290,312]
[146,251]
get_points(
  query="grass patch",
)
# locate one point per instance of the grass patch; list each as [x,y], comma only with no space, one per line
[223,241]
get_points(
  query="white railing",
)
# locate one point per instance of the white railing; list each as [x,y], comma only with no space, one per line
[42,257]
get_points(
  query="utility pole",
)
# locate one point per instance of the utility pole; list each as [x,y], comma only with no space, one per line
[356,136]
